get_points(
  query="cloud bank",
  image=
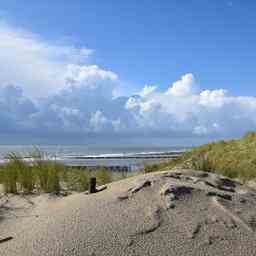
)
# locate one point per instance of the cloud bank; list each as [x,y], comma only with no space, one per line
[47,88]
[38,66]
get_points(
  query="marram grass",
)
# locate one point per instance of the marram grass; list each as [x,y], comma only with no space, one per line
[43,175]
[232,158]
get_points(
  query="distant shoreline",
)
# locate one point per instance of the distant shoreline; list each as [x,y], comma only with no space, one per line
[131,161]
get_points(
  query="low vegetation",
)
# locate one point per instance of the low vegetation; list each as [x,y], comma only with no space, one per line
[43,175]
[234,158]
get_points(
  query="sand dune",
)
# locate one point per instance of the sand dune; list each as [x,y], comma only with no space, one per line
[179,212]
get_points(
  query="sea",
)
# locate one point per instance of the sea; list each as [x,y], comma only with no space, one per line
[83,155]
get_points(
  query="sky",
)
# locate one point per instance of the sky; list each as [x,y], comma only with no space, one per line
[71,71]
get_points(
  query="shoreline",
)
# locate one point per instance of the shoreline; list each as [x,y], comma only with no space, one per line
[127,161]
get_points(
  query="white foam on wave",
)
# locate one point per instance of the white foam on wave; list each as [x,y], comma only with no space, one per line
[118,155]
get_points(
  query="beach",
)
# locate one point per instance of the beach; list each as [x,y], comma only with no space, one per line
[179,212]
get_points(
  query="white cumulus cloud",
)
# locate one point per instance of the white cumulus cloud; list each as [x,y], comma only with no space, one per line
[183,107]
[183,87]
[49,88]
[37,65]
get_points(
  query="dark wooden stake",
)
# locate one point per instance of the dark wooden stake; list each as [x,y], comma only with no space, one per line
[92,185]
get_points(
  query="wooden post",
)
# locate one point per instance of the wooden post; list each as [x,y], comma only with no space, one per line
[92,185]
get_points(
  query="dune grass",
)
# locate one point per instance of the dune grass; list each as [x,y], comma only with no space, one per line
[102,175]
[233,158]
[43,175]
[75,179]
[20,176]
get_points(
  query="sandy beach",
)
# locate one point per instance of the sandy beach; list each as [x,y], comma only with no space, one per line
[180,212]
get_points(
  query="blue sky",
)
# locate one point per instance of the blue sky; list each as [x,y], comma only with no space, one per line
[53,52]
[154,41]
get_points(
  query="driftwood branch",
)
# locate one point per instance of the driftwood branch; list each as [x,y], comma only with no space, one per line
[6,239]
